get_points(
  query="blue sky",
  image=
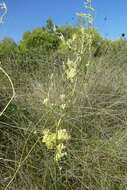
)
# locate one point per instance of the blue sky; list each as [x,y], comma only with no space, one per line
[28,14]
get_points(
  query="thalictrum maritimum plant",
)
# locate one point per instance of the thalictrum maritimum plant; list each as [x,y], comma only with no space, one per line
[70,68]
[55,140]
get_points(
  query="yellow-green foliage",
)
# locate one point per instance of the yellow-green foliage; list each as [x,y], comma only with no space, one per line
[7,47]
[118,45]
[39,39]
[26,35]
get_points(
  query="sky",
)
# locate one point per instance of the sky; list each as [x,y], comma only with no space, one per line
[25,15]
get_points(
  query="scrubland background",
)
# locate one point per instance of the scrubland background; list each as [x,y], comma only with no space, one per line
[95,118]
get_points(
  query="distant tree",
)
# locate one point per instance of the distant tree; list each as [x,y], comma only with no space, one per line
[67,30]
[119,45]
[49,25]
[37,30]
[8,41]
[7,46]
[42,41]
[26,35]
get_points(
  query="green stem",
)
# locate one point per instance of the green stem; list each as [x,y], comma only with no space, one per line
[21,164]
[13,90]
[55,165]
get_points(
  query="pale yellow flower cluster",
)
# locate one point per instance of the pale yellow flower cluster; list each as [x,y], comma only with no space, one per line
[46,100]
[59,153]
[63,106]
[50,140]
[62,135]
[71,70]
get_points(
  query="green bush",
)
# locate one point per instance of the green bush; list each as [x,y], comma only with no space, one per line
[39,40]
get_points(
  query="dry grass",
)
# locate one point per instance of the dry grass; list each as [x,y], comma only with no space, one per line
[96,120]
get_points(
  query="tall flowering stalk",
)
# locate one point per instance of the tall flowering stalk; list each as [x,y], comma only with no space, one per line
[89,16]
[79,45]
